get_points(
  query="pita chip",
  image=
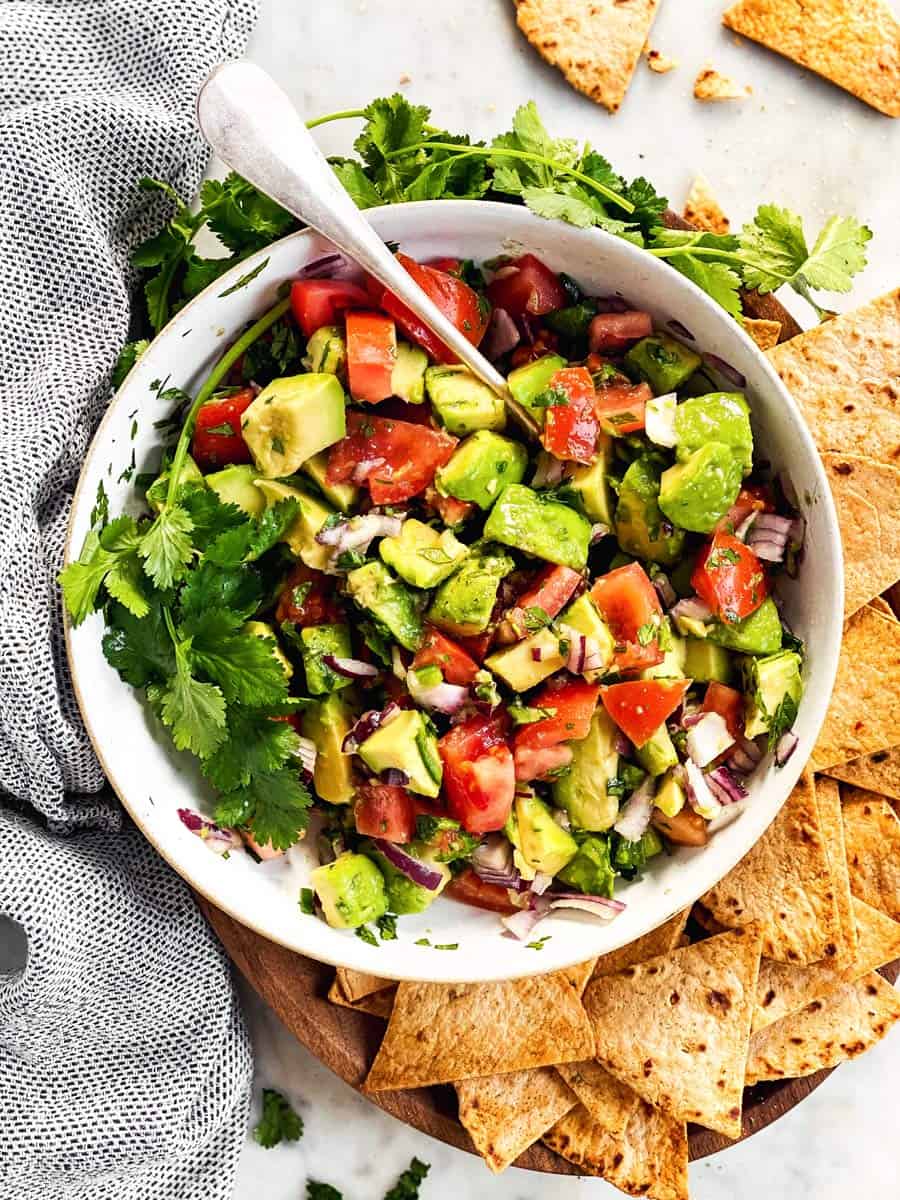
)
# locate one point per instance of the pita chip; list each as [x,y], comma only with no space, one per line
[868,509]
[853,43]
[711,85]
[764,333]
[828,802]
[872,834]
[505,1114]
[881,606]
[878,772]
[848,421]
[356,984]
[703,210]
[658,62]
[377,1004]
[658,941]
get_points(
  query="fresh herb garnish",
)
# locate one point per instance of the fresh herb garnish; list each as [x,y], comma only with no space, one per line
[278,1123]
[307,904]
[365,934]
[387,927]
[782,720]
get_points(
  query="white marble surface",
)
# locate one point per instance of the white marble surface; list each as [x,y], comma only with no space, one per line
[798,142]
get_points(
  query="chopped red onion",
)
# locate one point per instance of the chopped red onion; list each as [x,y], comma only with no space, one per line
[598,532]
[502,335]
[732,374]
[664,590]
[536,653]
[585,653]
[493,854]
[634,818]
[725,786]
[324,267]
[549,471]
[364,469]
[707,738]
[530,326]
[350,668]
[690,609]
[394,777]
[357,533]
[561,817]
[443,697]
[745,526]
[367,724]
[622,744]
[681,330]
[520,924]
[540,883]
[745,756]
[220,839]
[413,868]
[768,536]
[700,796]
[787,744]
[597,906]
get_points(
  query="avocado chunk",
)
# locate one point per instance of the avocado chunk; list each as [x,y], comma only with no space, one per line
[673,663]
[301,537]
[464,603]
[658,753]
[582,792]
[591,483]
[326,723]
[572,322]
[326,352]
[403,895]
[480,466]
[695,494]
[235,485]
[583,616]
[663,361]
[591,870]
[351,891]
[760,633]
[529,382]
[463,403]
[261,629]
[670,798]
[421,555]
[537,525]
[342,495]
[158,490]
[408,375]
[704,661]
[774,687]
[641,528]
[544,845]
[716,417]
[317,641]
[373,588]
[517,665]
[632,856]
[291,420]
[406,744]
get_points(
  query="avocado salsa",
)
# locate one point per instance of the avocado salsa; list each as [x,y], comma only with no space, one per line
[512,671]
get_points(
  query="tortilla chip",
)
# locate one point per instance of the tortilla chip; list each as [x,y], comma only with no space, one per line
[840,1026]
[711,85]
[356,984]
[867,497]
[858,352]
[764,333]
[846,421]
[505,1114]
[881,606]
[784,882]
[874,772]
[828,802]
[658,941]
[872,833]
[863,715]
[596,45]
[660,63]
[676,1028]
[703,210]
[445,1032]
[377,1004]
[853,43]
[651,1159]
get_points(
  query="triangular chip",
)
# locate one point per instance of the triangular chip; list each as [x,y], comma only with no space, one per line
[854,43]
[658,941]
[703,210]
[444,1032]
[784,882]
[842,1025]
[764,333]
[676,1028]
[712,85]
[376,1004]
[649,1159]
[882,607]
[847,420]
[596,45]
[863,715]
[874,772]
[356,984]
[866,497]
[505,1114]
[872,834]
[828,802]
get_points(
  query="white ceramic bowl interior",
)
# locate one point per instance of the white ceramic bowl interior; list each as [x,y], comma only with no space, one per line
[153,780]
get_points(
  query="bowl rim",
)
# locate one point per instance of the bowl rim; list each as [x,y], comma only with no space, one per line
[829,652]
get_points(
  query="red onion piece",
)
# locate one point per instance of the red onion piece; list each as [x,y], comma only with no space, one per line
[502,335]
[350,668]
[700,795]
[787,744]
[537,653]
[520,924]
[745,756]
[364,469]
[357,533]
[725,786]
[413,868]
[681,330]
[493,854]
[691,609]
[598,532]
[665,591]
[540,883]
[745,526]
[366,726]
[219,838]
[634,818]
[597,906]
[324,267]
[394,777]
[549,471]
[442,697]
[622,744]
[307,754]
[732,374]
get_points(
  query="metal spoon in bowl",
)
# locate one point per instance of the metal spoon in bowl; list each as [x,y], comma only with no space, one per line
[252,126]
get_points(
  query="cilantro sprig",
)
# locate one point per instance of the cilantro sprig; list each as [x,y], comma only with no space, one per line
[278,1123]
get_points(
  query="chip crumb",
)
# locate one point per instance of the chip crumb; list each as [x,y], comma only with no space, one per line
[712,85]
[702,209]
[764,333]
[404,78]
[659,62]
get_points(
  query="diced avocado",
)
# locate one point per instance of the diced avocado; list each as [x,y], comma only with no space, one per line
[403,895]
[582,791]
[422,555]
[316,642]
[704,661]
[673,663]
[697,493]
[537,525]
[772,684]
[591,483]
[326,352]
[260,629]
[641,529]
[481,466]
[632,856]
[662,361]
[406,744]
[720,417]
[545,846]
[760,633]
[408,375]
[301,537]
[159,488]
[235,485]
[670,798]
[517,665]
[291,420]
[528,382]
[326,724]
[658,753]
[463,403]
[351,891]
[584,616]
[390,602]
[463,604]
[572,321]
[591,870]
[511,830]
[342,495]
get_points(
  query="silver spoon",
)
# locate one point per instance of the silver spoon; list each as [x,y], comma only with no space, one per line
[252,126]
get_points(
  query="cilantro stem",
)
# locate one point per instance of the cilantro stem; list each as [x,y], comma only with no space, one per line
[711,252]
[219,371]
[525,156]
[343,115]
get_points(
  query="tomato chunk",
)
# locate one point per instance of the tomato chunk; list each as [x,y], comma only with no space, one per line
[639,707]
[308,598]
[383,811]
[615,331]
[469,889]
[620,407]
[571,426]
[317,302]
[218,440]
[728,703]
[395,458]
[574,701]
[629,603]
[371,354]
[456,300]
[550,591]
[534,762]
[526,285]
[440,651]
[479,776]
[730,578]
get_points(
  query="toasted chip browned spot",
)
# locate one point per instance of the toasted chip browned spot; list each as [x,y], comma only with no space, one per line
[712,85]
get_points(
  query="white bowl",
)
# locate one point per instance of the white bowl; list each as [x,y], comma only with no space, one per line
[153,780]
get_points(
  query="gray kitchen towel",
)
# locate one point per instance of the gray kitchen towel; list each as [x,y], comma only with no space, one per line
[124,1062]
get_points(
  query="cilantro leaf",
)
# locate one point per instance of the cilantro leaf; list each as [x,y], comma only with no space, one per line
[255,745]
[407,1186]
[322,1191]
[209,515]
[249,541]
[108,557]
[200,272]
[839,253]
[715,278]
[391,124]
[166,546]
[782,720]
[774,248]
[128,356]
[166,251]
[139,648]
[649,206]
[599,169]
[275,804]
[241,216]
[127,583]
[194,711]
[278,1123]
[243,665]
[210,586]
[81,581]
[572,205]
[352,175]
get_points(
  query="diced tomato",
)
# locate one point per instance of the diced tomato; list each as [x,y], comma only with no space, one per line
[479,777]
[545,342]
[218,440]
[456,300]
[728,703]
[730,578]
[620,407]
[615,331]
[477,644]
[383,811]
[395,458]
[752,497]
[628,602]
[574,701]
[525,285]
[371,354]
[451,511]
[317,302]
[469,889]
[439,651]
[534,762]
[400,410]
[640,706]
[551,589]
[308,598]
[571,428]
[450,265]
